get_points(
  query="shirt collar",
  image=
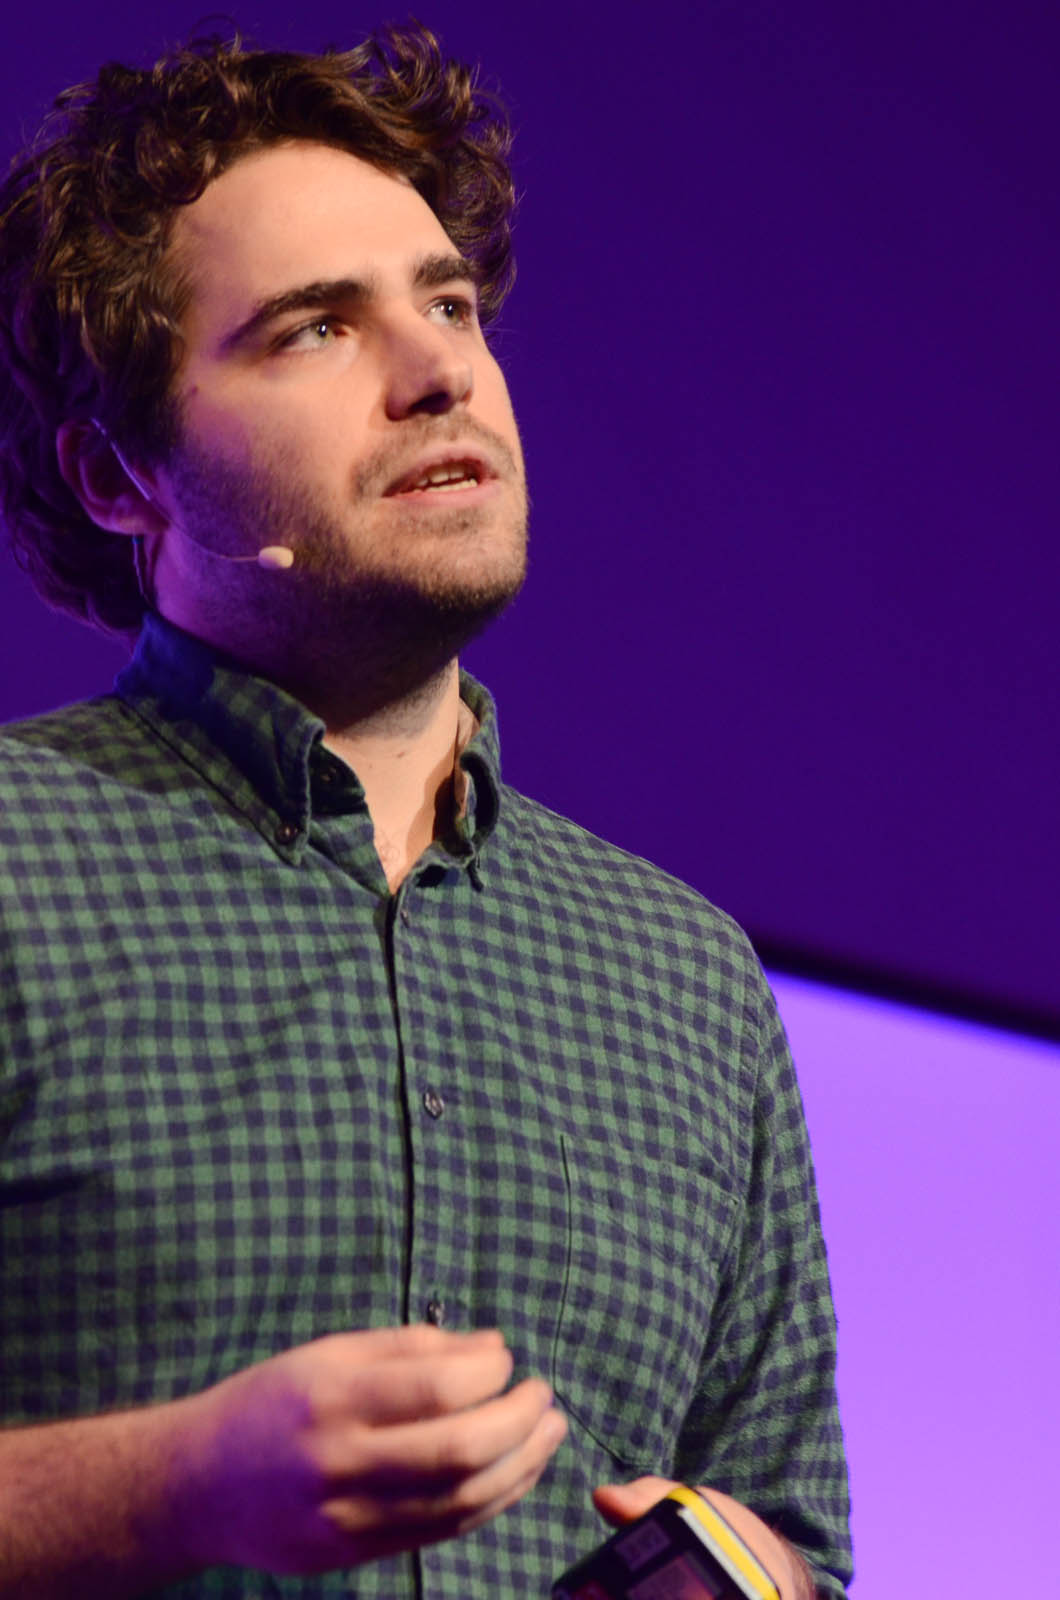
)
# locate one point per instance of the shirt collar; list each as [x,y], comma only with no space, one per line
[261,748]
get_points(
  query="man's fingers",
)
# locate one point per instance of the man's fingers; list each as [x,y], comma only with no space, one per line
[437,1384]
[443,1450]
[421,1510]
[485,1496]
[618,1503]
[507,1480]
[408,1342]
[361,1443]
[385,1375]
[427,1456]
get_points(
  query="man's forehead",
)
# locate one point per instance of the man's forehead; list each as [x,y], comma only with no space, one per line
[283,212]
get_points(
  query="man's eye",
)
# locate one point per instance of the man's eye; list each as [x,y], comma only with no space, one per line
[321,331]
[456,310]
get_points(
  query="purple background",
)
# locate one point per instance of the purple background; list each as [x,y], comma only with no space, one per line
[935,1144]
[786,353]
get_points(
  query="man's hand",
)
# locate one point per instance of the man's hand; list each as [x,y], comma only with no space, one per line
[363,1444]
[355,1446]
[620,1503]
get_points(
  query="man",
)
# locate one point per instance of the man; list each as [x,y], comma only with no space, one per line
[325,1055]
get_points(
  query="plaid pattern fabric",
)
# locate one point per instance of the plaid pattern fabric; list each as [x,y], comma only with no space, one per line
[247,1098]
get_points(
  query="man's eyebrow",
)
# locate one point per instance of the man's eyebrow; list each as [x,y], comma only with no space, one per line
[306,297]
[429,272]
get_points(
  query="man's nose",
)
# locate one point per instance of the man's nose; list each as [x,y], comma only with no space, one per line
[427,373]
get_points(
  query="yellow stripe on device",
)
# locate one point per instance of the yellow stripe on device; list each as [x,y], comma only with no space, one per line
[730,1548]
[682,1549]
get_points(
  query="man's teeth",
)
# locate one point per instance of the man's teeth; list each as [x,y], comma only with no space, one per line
[452,477]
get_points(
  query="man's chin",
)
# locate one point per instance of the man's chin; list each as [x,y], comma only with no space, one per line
[466,592]
[458,613]
[428,621]
[387,645]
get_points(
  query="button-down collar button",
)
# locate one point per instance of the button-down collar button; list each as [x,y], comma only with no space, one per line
[286,833]
[433,1103]
[436,1313]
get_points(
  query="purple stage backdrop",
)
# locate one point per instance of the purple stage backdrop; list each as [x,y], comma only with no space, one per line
[935,1144]
[786,354]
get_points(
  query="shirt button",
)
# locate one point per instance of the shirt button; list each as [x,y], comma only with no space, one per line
[436,1313]
[405,915]
[433,1103]
[286,833]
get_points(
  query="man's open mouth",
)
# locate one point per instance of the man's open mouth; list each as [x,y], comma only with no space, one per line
[442,477]
[453,476]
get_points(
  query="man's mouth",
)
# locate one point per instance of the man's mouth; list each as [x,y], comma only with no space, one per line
[442,477]
[453,476]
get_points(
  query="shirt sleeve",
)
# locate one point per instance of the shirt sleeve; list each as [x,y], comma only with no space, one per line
[764,1426]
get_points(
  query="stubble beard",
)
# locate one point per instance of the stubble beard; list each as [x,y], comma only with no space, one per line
[344,613]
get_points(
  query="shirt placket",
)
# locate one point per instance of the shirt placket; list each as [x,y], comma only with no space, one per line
[436,1266]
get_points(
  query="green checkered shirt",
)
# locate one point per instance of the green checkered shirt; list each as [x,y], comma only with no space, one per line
[248,1097]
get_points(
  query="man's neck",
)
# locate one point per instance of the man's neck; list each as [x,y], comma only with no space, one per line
[404,756]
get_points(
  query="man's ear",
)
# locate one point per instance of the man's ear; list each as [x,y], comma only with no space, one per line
[116,496]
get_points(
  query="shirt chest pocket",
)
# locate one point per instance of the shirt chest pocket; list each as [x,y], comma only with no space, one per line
[646,1244]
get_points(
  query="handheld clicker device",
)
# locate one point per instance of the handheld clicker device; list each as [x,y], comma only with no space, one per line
[682,1549]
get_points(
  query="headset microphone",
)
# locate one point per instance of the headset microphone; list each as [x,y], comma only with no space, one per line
[273,557]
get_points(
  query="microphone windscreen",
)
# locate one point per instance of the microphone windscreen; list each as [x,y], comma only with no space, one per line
[276,557]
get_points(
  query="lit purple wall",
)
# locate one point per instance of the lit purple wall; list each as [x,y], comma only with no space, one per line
[935,1145]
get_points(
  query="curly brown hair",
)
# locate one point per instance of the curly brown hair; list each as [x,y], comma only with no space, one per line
[90,305]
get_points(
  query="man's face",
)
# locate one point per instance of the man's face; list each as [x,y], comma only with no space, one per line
[336,396]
